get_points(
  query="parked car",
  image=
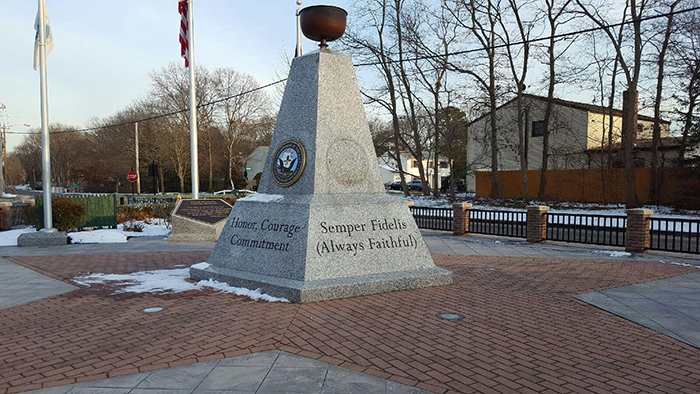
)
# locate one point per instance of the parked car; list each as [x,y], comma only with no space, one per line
[461,185]
[416,184]
[394,185]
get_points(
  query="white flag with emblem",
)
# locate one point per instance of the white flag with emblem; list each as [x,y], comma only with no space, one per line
[48,37]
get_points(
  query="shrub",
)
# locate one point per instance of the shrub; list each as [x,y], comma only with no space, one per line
[67,215]
[143,212]
[256,181]
[133,226]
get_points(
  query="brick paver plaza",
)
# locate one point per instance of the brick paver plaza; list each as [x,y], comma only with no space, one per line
[523,330]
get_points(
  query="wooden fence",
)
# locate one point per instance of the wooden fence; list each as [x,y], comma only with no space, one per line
[101,210]
[679,186]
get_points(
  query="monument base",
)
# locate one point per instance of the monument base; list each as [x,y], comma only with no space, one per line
[328,289]
[43,238]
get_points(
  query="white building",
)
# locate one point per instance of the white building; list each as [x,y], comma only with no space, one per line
[390,173]
[256,161]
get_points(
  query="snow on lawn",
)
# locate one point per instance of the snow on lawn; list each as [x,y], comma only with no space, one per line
[9,238]
[106,236]
[9,195]
[167,281]
[154,228]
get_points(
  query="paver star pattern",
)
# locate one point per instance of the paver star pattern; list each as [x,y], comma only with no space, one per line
[523,331]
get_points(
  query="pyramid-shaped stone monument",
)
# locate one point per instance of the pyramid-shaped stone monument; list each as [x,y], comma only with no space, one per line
[322,226]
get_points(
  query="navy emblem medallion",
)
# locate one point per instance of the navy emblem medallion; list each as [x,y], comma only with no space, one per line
[288,163]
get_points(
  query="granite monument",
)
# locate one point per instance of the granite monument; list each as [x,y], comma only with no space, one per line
[322,226]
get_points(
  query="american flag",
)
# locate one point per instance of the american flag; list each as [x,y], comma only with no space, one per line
[184,49]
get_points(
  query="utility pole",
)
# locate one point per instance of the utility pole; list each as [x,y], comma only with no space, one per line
[3,146]
[136,148]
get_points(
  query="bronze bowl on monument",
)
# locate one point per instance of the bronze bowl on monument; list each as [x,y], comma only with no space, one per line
[323,23]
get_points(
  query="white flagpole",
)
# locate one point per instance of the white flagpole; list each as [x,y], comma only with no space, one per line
[300,50]
[45,146]
[194,151]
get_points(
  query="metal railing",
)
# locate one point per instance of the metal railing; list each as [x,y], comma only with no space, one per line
[587,228]
[20,215]
[433,218]
[675,235]
[506,223]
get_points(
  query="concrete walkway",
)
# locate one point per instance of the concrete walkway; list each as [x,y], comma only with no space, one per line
[669,306]
[266,372]
[441,242]
[19,285]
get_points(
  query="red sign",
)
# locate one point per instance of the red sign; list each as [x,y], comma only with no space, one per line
[132,176]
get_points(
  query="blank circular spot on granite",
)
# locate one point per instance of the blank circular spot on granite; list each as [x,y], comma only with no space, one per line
[347,162]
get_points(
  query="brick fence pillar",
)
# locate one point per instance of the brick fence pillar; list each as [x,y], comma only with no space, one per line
[637,236]
[460,218]
[536,223]
[5,216]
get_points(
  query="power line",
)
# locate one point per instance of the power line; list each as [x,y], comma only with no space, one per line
[388,61]
[556,36]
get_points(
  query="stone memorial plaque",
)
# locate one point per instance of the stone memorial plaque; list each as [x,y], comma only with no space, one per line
[199,220]
[207,211]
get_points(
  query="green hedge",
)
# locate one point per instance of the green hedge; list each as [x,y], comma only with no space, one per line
[101,210]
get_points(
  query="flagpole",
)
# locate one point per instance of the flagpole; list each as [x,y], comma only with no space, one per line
[299,51]
[45,145]
[194,151]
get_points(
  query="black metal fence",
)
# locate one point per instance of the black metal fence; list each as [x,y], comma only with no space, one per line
[586,228]
[21,215]
[433,218]
[675,235]
[506,223]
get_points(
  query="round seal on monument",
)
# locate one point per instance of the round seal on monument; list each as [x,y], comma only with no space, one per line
[347,162]
[288,163]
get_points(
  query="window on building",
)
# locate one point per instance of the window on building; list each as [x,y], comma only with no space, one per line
[538,128]
[430,164]
[414,164]
[443,164]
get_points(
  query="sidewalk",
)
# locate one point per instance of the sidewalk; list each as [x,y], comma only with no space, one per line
[522,331]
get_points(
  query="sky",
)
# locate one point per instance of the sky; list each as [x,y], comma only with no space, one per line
[104,51]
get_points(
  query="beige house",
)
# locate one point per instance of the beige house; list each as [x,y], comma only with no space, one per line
[577,132]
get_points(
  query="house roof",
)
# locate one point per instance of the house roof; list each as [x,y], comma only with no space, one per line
[571,104]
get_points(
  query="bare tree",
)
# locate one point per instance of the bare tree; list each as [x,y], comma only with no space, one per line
[236,114]
[631,69]
[554,13]
[685,74]
[371,38]
[654,182]
[480,19]
[432,73]
[519,73]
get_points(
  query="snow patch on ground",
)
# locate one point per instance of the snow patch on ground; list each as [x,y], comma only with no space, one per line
[154,228]
[262,197]
[167,281]
[613,253]
[9,238]
[201,266]
[9,195]
[681,264]
[98,237]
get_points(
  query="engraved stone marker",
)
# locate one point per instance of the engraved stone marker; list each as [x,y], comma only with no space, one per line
[198,220]
[322,226]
